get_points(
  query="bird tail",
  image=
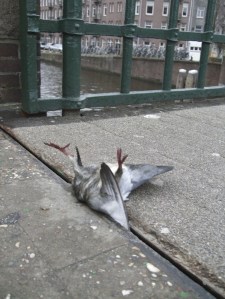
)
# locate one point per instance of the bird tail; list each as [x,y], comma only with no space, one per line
[163,169]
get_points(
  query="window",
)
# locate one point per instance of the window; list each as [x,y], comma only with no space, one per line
[88,11]
[93,11]
[185,10]
[111,7]
[183,27]
[200,12]
[198,28]
[149,7]
[119,6]
[162,45]
[137,8]
[104,9]
[165,10]
[164,25]
[148,24]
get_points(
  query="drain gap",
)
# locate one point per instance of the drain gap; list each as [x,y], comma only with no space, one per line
[183,269]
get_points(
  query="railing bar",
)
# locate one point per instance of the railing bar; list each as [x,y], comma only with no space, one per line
[116,30]
[170,46]
[30,88]
[209,22]
[127,48]
[71,52]
[140,97]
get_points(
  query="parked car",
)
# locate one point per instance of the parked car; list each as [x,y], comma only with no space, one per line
[45,46]
[56,47]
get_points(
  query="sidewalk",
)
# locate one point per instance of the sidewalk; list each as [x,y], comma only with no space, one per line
[82,253]
[58,248]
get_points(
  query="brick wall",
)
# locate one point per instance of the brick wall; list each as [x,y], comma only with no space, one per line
[10,85]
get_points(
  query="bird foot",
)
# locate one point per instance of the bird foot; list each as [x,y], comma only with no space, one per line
[63,149]
[120,158]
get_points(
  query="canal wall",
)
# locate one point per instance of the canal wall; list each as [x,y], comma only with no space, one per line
[142,68]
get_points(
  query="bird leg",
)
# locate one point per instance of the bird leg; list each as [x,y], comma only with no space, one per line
[64,149]
[120,158]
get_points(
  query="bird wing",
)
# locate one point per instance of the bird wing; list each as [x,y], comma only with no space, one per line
[113,202]
[134,176]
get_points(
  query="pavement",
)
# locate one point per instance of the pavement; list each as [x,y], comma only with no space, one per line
[55,247]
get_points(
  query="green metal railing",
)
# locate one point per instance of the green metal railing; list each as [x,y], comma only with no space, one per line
[73,28]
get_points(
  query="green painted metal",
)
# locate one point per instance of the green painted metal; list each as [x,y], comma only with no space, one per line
[72,11]
[132,98]
[73,28]
[128,34]
[170,45]
[29,78]
[209,23]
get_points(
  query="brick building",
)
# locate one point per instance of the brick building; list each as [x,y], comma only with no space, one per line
[148,14]
[51,10]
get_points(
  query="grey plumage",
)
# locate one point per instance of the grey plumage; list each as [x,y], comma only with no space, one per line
[96,187]
[105,188]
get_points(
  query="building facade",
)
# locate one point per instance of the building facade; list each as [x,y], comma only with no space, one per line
[51,10]
[148,14]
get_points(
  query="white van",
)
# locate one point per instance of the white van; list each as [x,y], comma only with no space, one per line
[194,49]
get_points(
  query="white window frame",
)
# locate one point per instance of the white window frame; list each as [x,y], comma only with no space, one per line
[93,11]
[183,27]
[119,6]
[104,10]
[185,10]
[198,30]
[148,24]
[137,8]
[149,4]
[165,5]
[164,25]
[111,9]
[200,13]
[88,11]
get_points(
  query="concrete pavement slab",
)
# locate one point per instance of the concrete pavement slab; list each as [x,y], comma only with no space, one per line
[181,212]
[59,248]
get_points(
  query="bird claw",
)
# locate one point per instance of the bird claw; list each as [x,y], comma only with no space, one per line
[120,158]
[63,149]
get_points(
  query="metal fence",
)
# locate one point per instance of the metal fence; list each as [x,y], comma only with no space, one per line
[73,28]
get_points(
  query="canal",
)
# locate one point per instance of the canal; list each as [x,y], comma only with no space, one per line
[91,81]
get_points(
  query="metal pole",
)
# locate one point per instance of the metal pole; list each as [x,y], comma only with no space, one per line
[170,46]
[209,22]
[127,48]
[72,9]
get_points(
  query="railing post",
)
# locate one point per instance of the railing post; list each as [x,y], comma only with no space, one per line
[72,9]
[127,48]
[209,23]
[28,46]
[170,46]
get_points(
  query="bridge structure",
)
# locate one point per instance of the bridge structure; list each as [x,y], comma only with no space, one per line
[73,27]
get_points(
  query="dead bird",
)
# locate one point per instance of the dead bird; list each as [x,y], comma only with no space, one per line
[128,176]
[97,187]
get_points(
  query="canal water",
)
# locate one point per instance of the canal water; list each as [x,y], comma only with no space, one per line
[91,81]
